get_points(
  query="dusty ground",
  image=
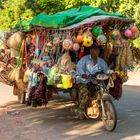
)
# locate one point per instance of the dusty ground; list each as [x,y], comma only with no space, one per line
[56,122]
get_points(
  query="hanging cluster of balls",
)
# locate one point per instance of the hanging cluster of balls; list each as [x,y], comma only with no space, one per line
[101,38]
[131,32]
[85,39]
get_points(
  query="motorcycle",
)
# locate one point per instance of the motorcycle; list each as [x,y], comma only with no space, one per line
[100,103]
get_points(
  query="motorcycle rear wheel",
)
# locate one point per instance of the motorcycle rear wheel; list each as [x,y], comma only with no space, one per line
[110,120]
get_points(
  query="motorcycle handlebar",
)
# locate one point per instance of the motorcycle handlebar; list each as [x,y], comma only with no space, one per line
[96,76]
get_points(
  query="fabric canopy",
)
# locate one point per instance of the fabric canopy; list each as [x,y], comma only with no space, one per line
[71,16]
[94,19]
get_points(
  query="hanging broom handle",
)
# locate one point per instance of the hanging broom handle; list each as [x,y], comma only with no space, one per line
[26,60]
[21,61]
[20,52]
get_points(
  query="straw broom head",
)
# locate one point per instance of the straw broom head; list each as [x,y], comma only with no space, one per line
[12,74]
[26,76]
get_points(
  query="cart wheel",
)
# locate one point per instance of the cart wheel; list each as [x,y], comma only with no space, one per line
[73,94]
[21,97]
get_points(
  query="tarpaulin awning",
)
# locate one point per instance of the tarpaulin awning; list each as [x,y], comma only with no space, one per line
[94,19]
[71,16]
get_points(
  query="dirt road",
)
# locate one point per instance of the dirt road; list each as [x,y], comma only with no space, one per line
[56,122]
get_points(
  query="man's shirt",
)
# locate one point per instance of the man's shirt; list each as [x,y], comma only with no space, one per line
[87,66]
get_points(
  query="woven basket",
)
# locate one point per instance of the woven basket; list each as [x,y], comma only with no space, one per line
[13,52]
[15,41]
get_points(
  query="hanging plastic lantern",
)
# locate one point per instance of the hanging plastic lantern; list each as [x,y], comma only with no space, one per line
[54,70]
[50,81]
[51,74]
[67,44]
[76,46]
[88,41]
[96,31]
[128,33]
[134,29]
[101,40]
[79,39]
[116,35]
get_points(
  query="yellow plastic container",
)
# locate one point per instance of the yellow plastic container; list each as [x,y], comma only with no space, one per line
[66,81]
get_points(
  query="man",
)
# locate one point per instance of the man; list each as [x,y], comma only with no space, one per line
[89,64]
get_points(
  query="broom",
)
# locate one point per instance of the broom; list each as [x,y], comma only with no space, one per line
[27,70]
[12,74]
[19,73]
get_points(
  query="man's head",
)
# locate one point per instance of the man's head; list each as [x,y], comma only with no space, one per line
[94,51]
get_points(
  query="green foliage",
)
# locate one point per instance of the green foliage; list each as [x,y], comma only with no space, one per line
[46,6]
[13,11]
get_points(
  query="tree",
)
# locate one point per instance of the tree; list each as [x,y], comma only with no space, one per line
[12,12]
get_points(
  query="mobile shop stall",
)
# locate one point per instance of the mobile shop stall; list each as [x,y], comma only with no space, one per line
[54,44]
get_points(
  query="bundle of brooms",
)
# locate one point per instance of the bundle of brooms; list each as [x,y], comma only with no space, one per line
[136,52]
[17,75]
[27,70]
[126,57]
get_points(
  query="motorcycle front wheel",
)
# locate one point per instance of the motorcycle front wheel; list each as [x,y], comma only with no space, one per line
[110,117]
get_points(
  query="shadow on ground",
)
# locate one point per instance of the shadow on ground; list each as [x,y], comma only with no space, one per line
[58,122]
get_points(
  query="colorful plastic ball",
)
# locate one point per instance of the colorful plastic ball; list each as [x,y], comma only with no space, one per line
[134,29]
[133,36]
[101,40]
[96,31]
[67,44]
[76,46]
[79,38]
[88,41]
[128,33]
[116,35]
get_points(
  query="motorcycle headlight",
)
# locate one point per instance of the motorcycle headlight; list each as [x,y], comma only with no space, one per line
[102,77]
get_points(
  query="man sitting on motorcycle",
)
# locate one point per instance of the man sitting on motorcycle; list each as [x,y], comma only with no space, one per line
[89,65]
